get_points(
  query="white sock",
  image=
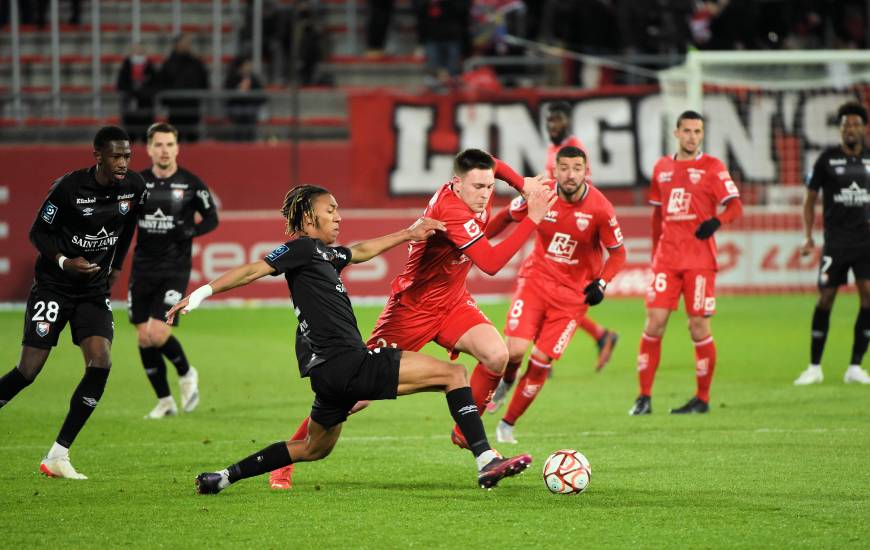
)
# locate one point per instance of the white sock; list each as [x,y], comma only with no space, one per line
[57,451]
[853,367]
[225,479]
[815,366]
[167,400]
[485,458]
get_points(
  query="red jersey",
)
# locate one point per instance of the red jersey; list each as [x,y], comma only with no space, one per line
[568,243]
[689,192]
[436,268]
[552,149]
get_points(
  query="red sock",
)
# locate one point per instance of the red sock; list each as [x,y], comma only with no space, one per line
[301,431]
[705,364]
[648,362]
[510,371]
[592,328]
[483,384]
[527,390]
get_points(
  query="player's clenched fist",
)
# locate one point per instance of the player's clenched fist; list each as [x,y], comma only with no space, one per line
[424,228]
[539,202]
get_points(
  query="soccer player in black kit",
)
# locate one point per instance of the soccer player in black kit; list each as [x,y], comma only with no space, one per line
[842,173]
[330,349]
[82,233]
[161,265]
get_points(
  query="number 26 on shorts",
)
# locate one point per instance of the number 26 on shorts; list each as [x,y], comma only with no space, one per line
[660,282]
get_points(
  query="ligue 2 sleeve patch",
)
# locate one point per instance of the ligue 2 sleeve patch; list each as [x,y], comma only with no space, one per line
[48,212]
[277,253]
[471,228]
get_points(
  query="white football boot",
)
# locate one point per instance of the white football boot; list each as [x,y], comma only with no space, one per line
[189,384]
[504,433]
[165,407]
[812,375]
[59,467]
[498,397]
[857,375]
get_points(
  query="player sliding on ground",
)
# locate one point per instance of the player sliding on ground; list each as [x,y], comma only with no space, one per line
[331,351]
[557,283]
[429,301]
[686,191]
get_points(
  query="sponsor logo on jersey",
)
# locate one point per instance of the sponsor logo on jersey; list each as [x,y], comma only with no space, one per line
[124,207]
[471,228]
[517,203]
[551,216]
[43,328]
[102,240]
[665,177]
[695,175]
[87,200]
[277,253]
[171,297]
[565,337]
[561,247]
[158,222]
[731,187]
[612,222]
[854,195]
[837,162]
[678,205]
[204,196]
[87,211]
[48,212]
[839,170]
[178,186]
[126,196]
[177,194]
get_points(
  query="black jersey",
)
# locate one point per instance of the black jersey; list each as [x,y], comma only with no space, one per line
[167,225]
[845,184]
[327,325]
[80,217]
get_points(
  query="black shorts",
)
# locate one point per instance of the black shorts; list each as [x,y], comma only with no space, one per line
[359,375]
[836,263]
[48,312]
[149,297]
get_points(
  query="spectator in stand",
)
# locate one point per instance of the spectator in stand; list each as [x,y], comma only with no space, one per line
[377,25]
[443,29]
[244,110]
[183,71]
[135,84]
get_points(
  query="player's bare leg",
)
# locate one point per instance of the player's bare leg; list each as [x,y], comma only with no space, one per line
[648,357]
[854,373]
[818,336]
[705,365]
[516,353]
[529,387]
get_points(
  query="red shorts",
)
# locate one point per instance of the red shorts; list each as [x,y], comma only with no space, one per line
[407,327]
[535,316]
[698,287]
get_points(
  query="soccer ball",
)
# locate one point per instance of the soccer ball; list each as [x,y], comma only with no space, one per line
[567,472]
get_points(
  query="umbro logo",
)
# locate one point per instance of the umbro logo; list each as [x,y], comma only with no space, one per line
[90,402]
[468,409]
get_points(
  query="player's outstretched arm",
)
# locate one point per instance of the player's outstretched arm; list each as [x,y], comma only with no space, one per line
[420,230]
[236,277]
[809,219]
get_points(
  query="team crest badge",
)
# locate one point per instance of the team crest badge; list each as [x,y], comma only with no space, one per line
[42,328]
[694,177]
[177,194]
[582,224]
[513,323]
[124,207]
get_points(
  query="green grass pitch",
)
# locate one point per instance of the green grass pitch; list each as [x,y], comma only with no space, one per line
[772,465]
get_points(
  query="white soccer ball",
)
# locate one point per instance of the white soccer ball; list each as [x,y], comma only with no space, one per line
[567,472]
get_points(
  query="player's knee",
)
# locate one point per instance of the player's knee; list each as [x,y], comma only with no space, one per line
[158,334]
[495,359]
[144,340]
[100,361]
[699,328]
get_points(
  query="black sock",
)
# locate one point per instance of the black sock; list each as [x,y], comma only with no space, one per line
[821,320]
[155,370]
[172,350]
[862,335]
[465,413]
[12,383]
[83,402]
[271,458]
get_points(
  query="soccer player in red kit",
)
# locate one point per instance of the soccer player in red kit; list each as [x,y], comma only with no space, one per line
[564,275]
[686,191]
[558,128]
[429,300]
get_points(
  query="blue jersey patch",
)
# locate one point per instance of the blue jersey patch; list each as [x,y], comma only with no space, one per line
[277,253]
[48,212]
